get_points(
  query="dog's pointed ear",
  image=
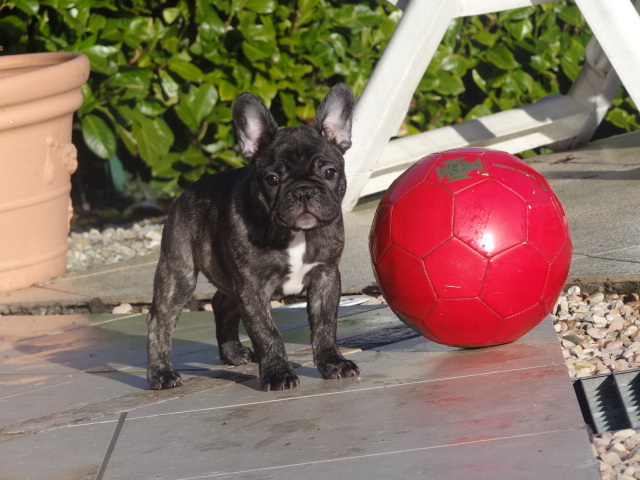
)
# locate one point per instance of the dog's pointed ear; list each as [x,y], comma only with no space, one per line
[253,123]
[335,116]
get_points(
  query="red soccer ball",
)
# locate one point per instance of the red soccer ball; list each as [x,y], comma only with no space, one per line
[471,247]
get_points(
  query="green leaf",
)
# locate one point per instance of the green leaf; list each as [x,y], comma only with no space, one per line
[524,82]
[195,105]
[134,82]
[227,90]
[259,49]
[449,84]
[478,111]
[27,6]
[521,29]
[621,119]
[194,157]
[501,57]
[571,60]
[169,86]
[485,38]
[357,17]
[138,31]
[261,6]
[154,138]
[170,14]
[517,13]
[479,81]
[571,15]
[98,136]
[187,71]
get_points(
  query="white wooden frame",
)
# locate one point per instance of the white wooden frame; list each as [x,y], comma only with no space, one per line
[561,121]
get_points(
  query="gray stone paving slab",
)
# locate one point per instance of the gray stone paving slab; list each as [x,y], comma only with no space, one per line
[415,401]
[328,421]
[405,362]
[74,453]
[60,362]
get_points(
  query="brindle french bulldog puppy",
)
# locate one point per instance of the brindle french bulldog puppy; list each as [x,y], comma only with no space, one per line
[271,229]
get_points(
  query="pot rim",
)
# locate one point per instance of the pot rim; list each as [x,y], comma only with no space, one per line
[40,75]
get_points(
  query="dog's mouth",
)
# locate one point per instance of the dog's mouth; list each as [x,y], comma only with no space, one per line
[306,221]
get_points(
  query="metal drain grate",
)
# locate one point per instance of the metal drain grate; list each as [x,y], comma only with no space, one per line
[610,401]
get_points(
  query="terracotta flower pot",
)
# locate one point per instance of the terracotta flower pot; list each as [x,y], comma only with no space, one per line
[40,92]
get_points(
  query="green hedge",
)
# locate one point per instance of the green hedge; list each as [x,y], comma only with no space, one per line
[164,73]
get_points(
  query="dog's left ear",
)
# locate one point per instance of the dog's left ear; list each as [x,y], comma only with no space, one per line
[335,116]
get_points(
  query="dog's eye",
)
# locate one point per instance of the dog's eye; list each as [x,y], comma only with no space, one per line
[272,180]
[330,173]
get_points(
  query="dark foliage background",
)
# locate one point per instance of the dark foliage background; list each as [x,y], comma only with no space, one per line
[164,72]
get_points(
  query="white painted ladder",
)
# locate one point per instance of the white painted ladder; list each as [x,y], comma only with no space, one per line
[562,121]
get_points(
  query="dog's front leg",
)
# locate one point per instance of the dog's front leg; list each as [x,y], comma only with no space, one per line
[324,293]
[276,372]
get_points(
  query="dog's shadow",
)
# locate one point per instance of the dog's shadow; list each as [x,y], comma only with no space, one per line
[246,375]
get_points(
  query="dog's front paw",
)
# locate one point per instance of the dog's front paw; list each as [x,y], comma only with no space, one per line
[236,354]
[338,368]
[163,378]
[278,376]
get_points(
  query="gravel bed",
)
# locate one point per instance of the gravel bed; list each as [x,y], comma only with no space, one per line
[112,244]
[601,334]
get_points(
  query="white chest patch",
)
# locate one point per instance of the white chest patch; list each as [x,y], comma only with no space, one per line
[298,269]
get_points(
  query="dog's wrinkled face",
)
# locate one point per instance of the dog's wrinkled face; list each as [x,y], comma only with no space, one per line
[300,177]
[302,181]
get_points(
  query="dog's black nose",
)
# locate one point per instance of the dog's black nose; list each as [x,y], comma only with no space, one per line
[304,193]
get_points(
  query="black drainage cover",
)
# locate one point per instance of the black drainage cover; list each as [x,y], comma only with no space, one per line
[610,401]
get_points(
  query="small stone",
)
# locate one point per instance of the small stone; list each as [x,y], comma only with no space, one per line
[576,350]
[122,308]
[563,306]
[620,365]
[605,438]
[611,458]
[617,324]
[630,330]
[208,307]
[618,448]
[598,319]
[582,364]
[597,333]
[575,339]
[373,301]
[595,297]
[575,290]
[629,444]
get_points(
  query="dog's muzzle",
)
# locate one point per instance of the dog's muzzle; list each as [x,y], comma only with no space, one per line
[307,206]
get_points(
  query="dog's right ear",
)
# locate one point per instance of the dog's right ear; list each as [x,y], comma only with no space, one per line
[253,123]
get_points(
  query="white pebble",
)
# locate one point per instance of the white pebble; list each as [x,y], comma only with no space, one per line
[122,308]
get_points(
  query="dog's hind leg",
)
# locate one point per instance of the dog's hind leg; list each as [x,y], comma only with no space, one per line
[174,283]
[227,317]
